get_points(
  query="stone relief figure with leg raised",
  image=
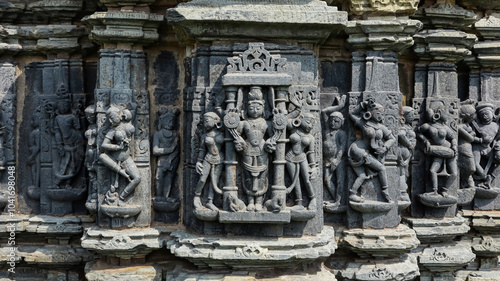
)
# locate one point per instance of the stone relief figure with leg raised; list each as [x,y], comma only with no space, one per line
[118,159]
[34,157]
[367,154]
[166,148]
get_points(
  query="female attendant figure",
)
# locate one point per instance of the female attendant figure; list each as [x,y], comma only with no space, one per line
[210,159]
[117,155]
[441,144]
[367,155]
[301,160]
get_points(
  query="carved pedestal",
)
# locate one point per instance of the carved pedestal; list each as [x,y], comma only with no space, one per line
[388,247]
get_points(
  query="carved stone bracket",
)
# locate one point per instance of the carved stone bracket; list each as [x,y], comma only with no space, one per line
[486,222]
[445,16]
[444,45]
[257,252]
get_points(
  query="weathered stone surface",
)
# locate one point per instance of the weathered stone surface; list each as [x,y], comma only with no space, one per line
[444,45]
[316,273]
[392,34]
[367,7]
[446,16]
[486,222]
[42,39]
[235,19]
[96,271]
[446,257]
[480,4]
[257,252]
[486,245]
[124,243]
[437,230]
[124,27]
[53,255]
[387,243]
[404,268]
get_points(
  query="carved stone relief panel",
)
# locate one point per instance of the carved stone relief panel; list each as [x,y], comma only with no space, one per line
[55,131]
[436,158]
[122,107]
[259,146]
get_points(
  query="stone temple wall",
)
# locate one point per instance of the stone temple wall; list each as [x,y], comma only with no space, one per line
[250,140]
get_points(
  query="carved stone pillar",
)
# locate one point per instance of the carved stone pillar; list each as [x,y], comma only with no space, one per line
[123,160]
[437,188]
[376,184]
[252,134]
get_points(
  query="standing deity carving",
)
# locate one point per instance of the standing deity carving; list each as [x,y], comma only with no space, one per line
[407,141]
[34,157]
[367,154]
[334,149]
[210,161]
[251,142]
[166,149]
[69,140]
[91,157]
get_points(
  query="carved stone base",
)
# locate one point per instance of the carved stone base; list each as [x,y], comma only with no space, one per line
[126,243]
[316,273]
[484,221]
[465,275]
[437,230]
[57,230]
[388,242]
[382,270]
[257,252]
[446,257]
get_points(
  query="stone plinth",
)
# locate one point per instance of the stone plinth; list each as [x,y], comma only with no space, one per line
[487,222]
[437,230]
[125,243]
[256,253]
[232,19]
[385,243]
[401,269]
[446,257]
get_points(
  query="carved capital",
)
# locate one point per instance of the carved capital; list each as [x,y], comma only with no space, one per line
[390,7]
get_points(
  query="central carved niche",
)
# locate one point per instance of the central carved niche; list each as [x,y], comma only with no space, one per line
[265,141]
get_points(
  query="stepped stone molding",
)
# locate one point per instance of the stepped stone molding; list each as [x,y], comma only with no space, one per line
[235,19]
[439,229]
[377,243]
[252,253]
[402,269]
[124,27]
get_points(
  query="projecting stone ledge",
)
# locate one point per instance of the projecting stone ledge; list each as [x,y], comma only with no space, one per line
[300,20]
[252,253]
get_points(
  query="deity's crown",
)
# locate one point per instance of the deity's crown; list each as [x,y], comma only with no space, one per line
[255,95]
[62,93]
